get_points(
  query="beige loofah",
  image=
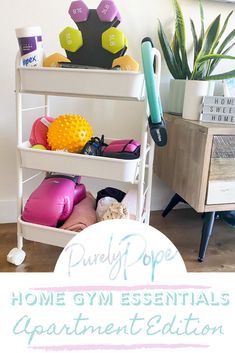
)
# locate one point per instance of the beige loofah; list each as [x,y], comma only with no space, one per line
[116,211]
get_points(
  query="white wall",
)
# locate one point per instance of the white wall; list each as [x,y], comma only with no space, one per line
[139,20]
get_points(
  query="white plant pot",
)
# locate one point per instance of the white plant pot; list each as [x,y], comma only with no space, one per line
[176,97]
[194,92]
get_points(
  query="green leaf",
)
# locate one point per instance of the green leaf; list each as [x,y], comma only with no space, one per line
[180,33]
[175,48]
[208,41]
[215,62]
[202,26]
[195,40]
[174,69]
[222,30]
[179,25]
[210,37]
[229,48]
[226,41]
[215,56]
[200,71]
[223,76]
[208,58]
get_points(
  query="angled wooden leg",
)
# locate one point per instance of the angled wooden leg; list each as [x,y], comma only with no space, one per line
[208,223]
[173,202]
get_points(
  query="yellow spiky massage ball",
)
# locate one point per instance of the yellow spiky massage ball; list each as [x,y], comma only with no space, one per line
[69,132]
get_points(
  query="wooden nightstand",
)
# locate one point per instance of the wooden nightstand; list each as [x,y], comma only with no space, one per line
[198,163]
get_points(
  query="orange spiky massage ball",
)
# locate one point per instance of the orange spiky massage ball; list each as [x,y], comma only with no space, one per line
[69,132]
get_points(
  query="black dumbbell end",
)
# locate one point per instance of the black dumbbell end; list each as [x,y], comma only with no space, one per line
[147,39]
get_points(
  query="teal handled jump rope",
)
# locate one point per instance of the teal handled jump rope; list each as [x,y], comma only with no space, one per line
[150,59]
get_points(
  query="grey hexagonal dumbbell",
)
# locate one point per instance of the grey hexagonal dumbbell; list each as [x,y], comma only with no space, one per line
[107,11]
[78,11]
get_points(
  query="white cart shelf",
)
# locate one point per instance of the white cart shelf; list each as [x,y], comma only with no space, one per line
[102,84]
[105,84]
[71,163]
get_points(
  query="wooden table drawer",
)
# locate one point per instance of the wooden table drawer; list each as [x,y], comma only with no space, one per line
[221,181]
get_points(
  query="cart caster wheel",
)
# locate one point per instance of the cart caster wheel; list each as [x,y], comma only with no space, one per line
[16,256]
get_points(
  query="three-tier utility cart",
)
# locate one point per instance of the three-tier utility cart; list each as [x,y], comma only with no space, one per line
[85,83]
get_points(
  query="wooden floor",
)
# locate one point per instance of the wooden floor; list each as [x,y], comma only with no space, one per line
[182,227]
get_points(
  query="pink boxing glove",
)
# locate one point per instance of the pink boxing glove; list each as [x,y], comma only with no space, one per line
[39,130]
[53,201]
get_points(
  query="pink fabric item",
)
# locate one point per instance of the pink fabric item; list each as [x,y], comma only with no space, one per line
[51,202]
[39,131]
[83,215]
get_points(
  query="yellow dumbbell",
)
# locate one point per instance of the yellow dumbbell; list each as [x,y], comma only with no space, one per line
[113,40]
[126,63]
[71,39]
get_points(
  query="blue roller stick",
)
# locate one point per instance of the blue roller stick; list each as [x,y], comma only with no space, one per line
[156,121]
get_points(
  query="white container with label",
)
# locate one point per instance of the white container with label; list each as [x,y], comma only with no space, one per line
[31,46]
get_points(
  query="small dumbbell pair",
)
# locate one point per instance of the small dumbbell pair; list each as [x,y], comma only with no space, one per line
[106,11]
[113,40]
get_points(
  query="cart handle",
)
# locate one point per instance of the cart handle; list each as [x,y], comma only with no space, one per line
[151,59]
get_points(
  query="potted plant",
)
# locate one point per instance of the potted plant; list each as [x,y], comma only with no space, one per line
[209,50]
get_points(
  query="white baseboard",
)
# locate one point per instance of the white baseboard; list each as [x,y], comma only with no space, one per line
[8,211]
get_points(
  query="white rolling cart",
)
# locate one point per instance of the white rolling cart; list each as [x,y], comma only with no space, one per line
[85,83]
